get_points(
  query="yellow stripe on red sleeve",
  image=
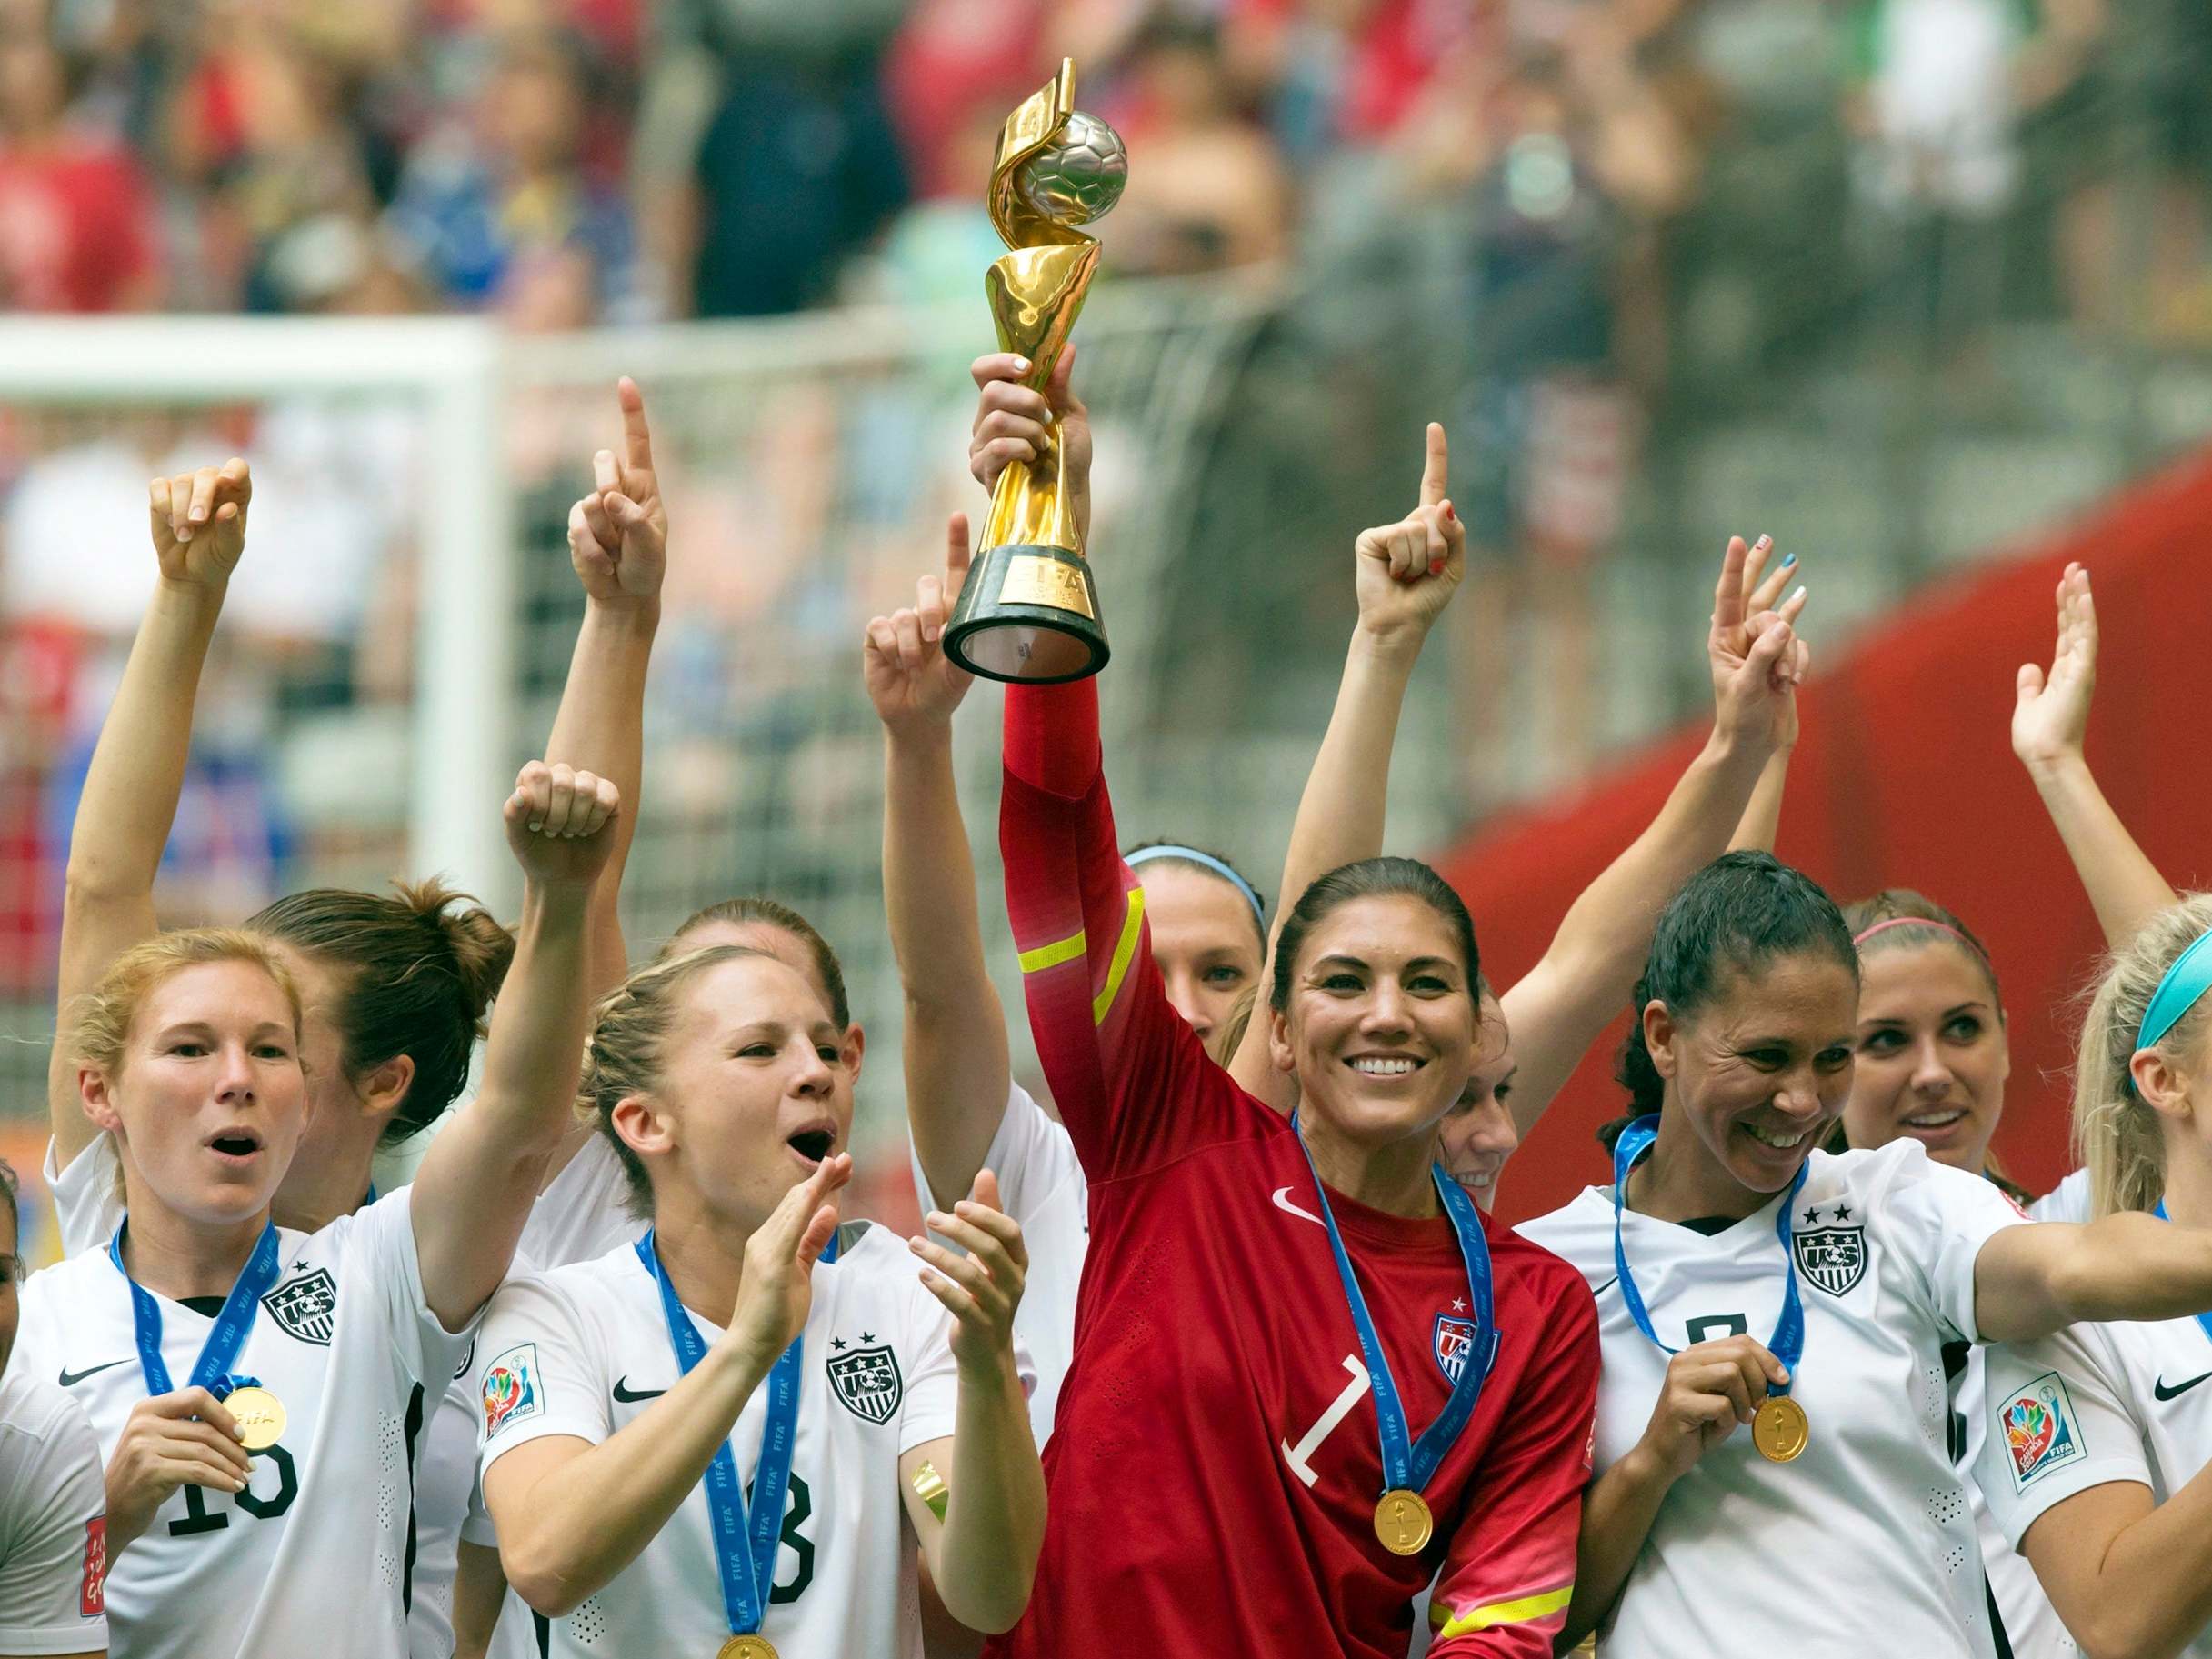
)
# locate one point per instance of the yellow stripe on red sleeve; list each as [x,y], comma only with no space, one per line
[1522,1610]
[1124,952]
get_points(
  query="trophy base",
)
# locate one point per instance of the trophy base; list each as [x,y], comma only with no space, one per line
[1029,615]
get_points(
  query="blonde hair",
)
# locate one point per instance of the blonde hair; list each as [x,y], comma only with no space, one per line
[627,1049]
[2115,1131]
[100,1020]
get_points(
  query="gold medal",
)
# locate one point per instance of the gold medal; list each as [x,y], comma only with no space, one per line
[748,1647]
[1780,1430]
[1403,1523]
[261,1417]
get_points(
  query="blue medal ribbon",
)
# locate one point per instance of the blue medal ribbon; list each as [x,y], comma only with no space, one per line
[210,1371]
[1788,1343]
[2204,1320]
[745,1544]
[1407,1464]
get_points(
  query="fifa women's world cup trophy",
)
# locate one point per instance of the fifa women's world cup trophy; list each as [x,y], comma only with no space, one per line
[1029,610]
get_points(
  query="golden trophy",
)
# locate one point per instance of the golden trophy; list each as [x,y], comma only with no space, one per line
[1029,611]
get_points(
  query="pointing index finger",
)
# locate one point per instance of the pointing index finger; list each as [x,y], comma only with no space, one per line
[1436,467]
[637,436]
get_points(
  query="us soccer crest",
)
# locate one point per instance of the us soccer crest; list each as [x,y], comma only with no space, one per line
[868,1381]
[1834,1258]
[307,1308]
[1454,1340]
[2039,1431]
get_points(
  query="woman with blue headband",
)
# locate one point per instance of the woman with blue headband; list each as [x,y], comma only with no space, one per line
[2094,1441]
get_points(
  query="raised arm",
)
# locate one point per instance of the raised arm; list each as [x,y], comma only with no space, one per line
[1563,1004]
[955,1052]
[481,1174]
[137,772]
[618,543]
[1405,574]
[2050,728]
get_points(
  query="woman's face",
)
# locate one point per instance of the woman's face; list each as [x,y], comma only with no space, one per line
[1761,1072]
[208,1105]
[752,1095]
[1204,942]
[1932,1053]
[1382,1030]
[794,953]
[1477,1136]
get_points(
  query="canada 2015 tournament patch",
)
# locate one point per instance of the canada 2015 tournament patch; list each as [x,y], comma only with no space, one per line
[2041,1430]
[510,1388]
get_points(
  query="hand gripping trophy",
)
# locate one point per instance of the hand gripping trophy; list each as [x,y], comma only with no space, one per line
[1029,610]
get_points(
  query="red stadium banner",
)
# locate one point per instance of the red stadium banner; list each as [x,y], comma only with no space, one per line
[1904,776]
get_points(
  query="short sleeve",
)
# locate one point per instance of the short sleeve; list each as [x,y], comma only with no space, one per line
[1936,1219]
[2054,1424]
[87,1195]
[2069,1200]
[537,1376]
[932,1400]
[1031,1155]
[382,1237]
[53,1537]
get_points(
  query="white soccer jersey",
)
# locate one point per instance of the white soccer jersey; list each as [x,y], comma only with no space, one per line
[2094,1403]
[87,1195]
[582,1350]
[2033,1629]
[582,1214]
[53,1520]
[1885,1242]
[1041,1185]
[315,1556]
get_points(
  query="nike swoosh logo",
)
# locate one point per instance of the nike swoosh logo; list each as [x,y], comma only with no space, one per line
[70,1379]
[2164,1393]
[1282,1202]
[628,1398]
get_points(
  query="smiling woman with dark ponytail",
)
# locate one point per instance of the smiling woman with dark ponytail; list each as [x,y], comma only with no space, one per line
[1745,1279]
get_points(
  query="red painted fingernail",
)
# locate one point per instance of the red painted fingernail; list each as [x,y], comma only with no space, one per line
[1436,568]
[1449,514]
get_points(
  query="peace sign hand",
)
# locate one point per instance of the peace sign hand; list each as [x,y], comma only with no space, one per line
[1754,652]
[2050,722]
[910,680]
[618,535]
[198,522]
[1406,573]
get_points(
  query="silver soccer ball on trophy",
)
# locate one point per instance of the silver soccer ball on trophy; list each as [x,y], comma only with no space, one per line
[1078,176]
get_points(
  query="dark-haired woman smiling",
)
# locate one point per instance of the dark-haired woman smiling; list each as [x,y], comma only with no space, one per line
[1746,1279]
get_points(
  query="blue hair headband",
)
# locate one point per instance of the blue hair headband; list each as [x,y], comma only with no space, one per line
[2182,988]
[1205,861]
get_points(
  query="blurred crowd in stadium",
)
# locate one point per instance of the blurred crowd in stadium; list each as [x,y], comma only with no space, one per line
[567,162]
[1543,219]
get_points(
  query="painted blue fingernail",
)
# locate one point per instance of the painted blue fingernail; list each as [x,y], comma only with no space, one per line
[1788,559]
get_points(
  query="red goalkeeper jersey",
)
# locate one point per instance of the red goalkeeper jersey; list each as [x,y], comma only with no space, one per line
[1215,1464]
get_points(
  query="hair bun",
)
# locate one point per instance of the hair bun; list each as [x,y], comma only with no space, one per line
[481,949]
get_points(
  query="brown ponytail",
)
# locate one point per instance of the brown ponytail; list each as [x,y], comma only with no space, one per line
[418,972]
